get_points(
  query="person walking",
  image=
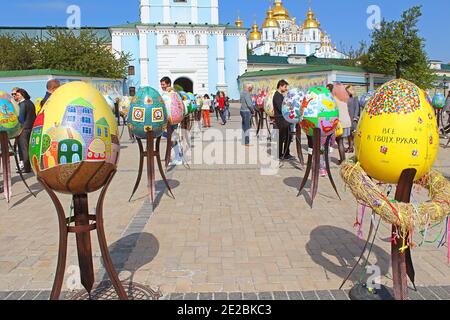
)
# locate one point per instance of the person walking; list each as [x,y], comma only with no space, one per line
[27,116]
[354,113]
[447,107]
[227,107]
[221,105]
[214,105]
[206,111]
[342,99]
[284,129]
[166,86]
[246,113]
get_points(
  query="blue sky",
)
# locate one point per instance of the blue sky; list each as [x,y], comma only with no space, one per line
[344,20]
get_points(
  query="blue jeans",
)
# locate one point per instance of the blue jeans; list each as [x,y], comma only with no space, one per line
[246,116]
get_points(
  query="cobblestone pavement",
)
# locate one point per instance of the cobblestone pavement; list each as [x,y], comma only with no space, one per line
[230,232]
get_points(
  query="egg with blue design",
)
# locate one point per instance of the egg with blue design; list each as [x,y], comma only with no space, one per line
[147,113]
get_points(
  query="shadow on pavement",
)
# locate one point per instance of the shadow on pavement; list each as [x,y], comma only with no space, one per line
[36,188]
[344,247]
[132,252]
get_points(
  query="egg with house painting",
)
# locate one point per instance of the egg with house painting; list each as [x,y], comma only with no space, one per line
[439,101]
[397,131]
[147,113]
[9,116]
[74,144]
[319,111]
[174,107]
[292,106]
[268,104]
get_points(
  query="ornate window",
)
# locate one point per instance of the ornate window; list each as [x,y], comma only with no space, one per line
[166,40]
[182,39]
[197,40]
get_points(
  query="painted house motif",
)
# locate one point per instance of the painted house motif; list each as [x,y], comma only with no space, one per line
[80,116]
[96,150]
[102,132]
[69,150]
[36,141]
[77,138]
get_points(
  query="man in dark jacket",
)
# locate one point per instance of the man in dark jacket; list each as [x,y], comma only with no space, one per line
[52,85]
[281,124]
[27,116]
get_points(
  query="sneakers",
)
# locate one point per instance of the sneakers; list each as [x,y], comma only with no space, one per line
[176,163]
[289,157]
[323,172]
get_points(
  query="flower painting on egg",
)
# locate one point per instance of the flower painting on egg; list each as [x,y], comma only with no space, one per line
[320,111]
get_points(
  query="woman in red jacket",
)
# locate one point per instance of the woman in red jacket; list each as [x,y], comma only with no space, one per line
[221,104]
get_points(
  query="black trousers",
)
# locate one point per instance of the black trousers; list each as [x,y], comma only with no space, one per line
[24,146]
[284,137]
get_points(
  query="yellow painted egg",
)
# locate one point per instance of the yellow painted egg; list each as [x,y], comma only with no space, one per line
[74,143]
[397,131]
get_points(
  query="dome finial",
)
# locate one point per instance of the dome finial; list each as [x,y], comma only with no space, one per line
[238,21]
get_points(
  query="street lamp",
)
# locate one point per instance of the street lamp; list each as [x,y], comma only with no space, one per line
[444,81]
[368,81]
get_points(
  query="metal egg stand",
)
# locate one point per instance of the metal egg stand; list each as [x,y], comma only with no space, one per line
[6,151]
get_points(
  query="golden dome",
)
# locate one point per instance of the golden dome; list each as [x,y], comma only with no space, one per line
[310,21]
[255,34]
[238,22]
[280,12]
[270,21]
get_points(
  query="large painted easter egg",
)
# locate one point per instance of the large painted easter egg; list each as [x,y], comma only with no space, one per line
[186,102]
[268,104]
[9,116]
[124,105]
[260,98]
[397,131]
[292,106]
[147,113]
[439,101]
[320,111]
[74,144]
[174,107]
[193,102]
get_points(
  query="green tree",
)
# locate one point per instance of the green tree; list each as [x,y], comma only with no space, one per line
[69,50]
[46,141]
[397,49]
[16,53]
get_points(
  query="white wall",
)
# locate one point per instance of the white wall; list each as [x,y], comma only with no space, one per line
[185,61]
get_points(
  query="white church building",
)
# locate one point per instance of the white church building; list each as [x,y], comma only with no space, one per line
[282,36]
[183,39]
